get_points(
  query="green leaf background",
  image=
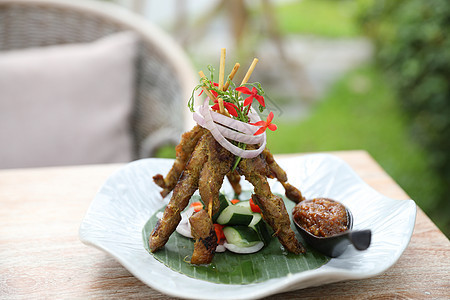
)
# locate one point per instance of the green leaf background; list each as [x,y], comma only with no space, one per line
[231,268]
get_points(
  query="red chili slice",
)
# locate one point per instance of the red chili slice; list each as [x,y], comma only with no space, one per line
[254,207]
[198,206]
[219,232]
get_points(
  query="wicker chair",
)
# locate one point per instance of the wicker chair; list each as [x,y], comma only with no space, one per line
[164,76]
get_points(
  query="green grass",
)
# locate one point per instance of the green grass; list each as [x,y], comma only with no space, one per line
[360,112]
[327,18]
[166,151]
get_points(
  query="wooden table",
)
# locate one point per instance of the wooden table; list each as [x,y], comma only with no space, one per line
[41,255]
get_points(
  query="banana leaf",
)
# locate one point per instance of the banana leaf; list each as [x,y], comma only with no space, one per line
[231,268]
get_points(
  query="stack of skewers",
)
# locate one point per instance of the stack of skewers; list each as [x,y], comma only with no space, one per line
[228,141]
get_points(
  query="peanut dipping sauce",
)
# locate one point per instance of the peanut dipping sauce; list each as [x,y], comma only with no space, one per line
[321,217]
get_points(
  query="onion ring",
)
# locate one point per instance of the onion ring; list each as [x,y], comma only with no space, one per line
[223,128]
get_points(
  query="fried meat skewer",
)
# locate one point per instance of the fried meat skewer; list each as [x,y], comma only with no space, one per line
[205,244]
[183,191]
[292,193]
[211,178]
[205,171]
[183,150]
[219,163]
[234,178]
[273,210]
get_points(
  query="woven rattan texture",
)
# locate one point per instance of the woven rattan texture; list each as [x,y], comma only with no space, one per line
[158,100]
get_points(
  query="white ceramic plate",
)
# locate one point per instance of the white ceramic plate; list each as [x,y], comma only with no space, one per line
[129,197]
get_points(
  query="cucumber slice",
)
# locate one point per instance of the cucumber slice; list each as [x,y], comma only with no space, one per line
[224,203]
[244,204]
[241,236]
[260,227]
[235,215]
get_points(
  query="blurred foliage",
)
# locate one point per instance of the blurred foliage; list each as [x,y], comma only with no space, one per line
[412,38]
[327,18]
[166,151]
[361,111]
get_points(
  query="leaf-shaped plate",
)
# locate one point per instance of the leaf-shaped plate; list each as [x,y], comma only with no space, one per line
[129,197]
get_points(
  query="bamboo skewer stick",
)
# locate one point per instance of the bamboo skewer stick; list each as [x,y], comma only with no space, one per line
[212,97]
[221,77]
[223,87]
[210,208]
[249,72]
[222,68]
[222,108]
[231,76]
[208,92]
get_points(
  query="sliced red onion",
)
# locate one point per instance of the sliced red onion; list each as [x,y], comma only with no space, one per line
[184,227]
[244,250]
[234,129]
[238,125]
[239,136]
[220,248]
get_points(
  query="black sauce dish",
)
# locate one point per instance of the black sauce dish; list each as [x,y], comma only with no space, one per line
[335,245]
